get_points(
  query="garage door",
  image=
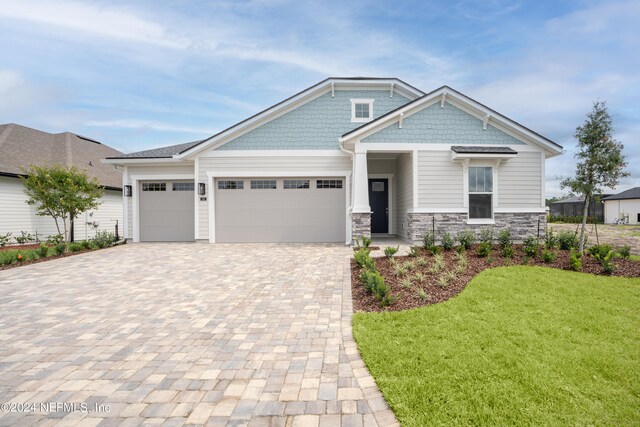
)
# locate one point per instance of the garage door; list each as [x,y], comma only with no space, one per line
[166,211]
[280,210]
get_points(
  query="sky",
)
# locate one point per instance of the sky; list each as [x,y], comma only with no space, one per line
[142,74]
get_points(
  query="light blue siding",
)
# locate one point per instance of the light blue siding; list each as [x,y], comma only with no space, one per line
[316,125]
[448,125]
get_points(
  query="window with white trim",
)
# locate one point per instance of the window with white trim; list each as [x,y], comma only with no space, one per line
[329,183]
[480,192]
[361,110]
[263,184]
[154,186]
[230,185]
[292,184]
[182,186]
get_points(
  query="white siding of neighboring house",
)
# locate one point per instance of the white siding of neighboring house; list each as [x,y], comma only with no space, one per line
[404,186]
[151,171]
[105,216]
[308,165]
[615,209]
[16,215]
[439,180]
[519,181]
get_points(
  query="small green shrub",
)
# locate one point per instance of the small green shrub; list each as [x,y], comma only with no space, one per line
[463,262]
[363,259]
[548,256]
[42,250]
[414,251]
[24,238]
[507,252]
[484,249]
[567,240]
[575,260]
[7,257]
[400,270]
[371,280]
[5,239]
[504,238]
[55,239]
[75,247]
[489,260]
[374,284]
[550,240]
[466,239]
[604,255]
[530,246]
[105,239]
[448,242]
[525,260]
[410,265]
[624,252]
[428,240]
[421,262]
[406,283]
[486,235]
[390,251]
[419,277]
[59,248]
[86,244]
[438,264]
[422,295]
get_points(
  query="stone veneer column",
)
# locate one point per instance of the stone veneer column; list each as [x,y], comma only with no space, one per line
[360,224]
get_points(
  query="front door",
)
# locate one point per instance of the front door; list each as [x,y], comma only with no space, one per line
[379,202]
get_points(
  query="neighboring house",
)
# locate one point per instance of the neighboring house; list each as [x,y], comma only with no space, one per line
[625,205]
[21,147]
[573,206]
[346,157]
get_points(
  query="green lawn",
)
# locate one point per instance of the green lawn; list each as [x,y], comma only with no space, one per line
[519,346]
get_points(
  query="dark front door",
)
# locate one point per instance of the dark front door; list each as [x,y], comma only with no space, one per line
[379,202]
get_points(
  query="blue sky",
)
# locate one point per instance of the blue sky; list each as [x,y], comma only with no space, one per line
[137,75]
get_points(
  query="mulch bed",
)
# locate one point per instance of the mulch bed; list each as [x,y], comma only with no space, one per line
[407,298]
[20,247]
[48,258]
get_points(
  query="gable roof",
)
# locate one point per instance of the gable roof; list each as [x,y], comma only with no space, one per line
[327,84]
[632,193]
[21,147]
[447,94]
[159,153]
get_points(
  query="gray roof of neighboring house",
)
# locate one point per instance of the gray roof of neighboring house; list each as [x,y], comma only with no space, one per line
[482,150]
[158,153]
[632,193]
[576,199]
[21,147]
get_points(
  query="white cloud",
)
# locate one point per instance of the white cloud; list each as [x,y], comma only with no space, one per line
[149,125]
[17,93]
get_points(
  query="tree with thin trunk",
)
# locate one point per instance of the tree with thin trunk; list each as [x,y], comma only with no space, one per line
[600,160]
[61,193]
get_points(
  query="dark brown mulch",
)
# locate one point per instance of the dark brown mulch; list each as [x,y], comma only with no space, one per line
[371,248]
[410,298]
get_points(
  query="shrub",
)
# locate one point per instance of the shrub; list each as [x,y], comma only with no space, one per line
[105,239]
[466,239]
[603,254]
[414,251]
[550,240]
[364,260]
[7,257]
[448,241]
[530,246]
[372,280]
[86,244]
[24,238]
[504,238]
[484,249]
[374,284]
[486,235]
[428,240]
[59,248]
[406,283]
[400,270]
[422,295]
[42,250]
[624,252]
[390,251]
[489,260]
[507,252]
[419,277]
[434,249]
[76,247]
[410,265]
[55,239]
[438,263]
[567,240]
[548,256]
[463,262]
[575,260]
[5,239]
[421,262]
[525,260]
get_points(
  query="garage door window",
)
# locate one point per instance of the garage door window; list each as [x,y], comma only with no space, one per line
[329,183]
[262,184]
[183,186]
[290,184]
[230,185]
[154,186]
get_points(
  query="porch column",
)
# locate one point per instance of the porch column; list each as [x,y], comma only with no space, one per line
[361,184]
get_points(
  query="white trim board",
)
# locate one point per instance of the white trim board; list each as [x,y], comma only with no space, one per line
[271,173]
[273,153]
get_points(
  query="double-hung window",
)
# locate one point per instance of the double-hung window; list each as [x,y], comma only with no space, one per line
[480,192]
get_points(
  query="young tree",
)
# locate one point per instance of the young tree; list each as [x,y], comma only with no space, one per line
[600,159]
[61,193]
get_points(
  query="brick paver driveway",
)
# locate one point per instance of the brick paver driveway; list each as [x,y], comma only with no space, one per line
[177,334]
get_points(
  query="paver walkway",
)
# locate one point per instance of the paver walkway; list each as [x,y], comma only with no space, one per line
[173,334]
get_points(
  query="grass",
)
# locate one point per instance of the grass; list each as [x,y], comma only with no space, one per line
[520,346]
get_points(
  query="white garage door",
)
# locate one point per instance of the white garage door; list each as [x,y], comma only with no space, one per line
[166,211]
[280,210]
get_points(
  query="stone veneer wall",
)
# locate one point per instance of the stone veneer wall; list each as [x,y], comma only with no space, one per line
[520,224]
[360,225]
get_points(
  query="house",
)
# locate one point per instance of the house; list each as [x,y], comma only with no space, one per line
[625,206]
[572,206]
[21,147]
[345,157]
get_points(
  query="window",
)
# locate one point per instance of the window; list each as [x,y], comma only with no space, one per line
[154,186]
[329,183]
[230,185]
[480,192]
[183,186]
[296,183]
[361,110]
[258,184]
